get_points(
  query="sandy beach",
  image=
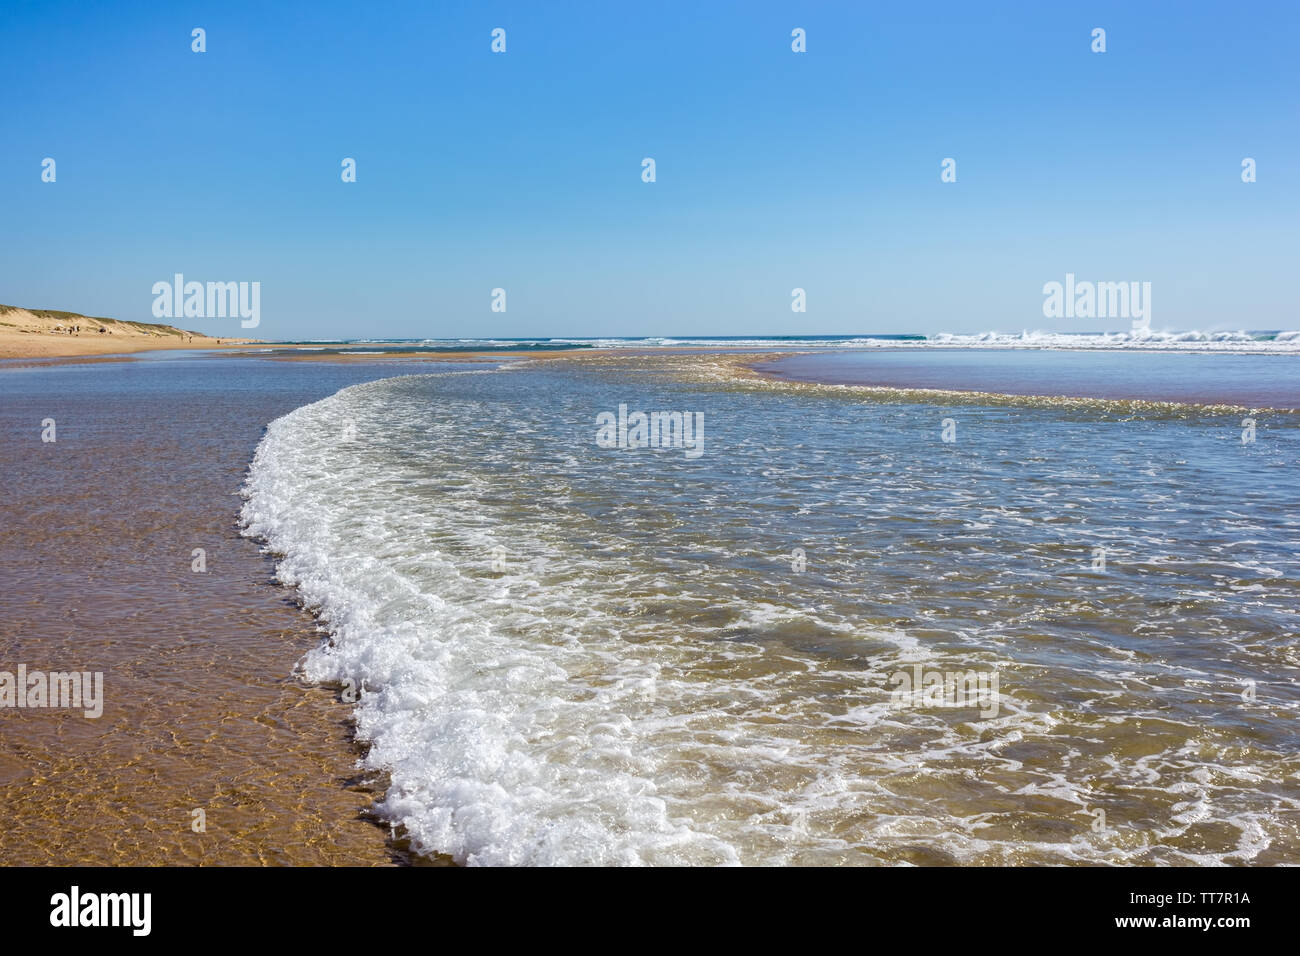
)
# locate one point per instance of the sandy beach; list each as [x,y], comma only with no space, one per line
[752,435]
[43,333]
[208,750]
[403,566]
[43,336]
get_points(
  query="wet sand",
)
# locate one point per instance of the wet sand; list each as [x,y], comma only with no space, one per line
[1223,380]
[309,354]
[36,346]
[203,711]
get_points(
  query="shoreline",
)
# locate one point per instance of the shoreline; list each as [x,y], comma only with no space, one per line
[202,705]
[312,562]
[242,710]
[91,351]
[748,370]
[36,346]
[36,334]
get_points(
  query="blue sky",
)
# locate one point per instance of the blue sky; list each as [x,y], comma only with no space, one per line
[775,170]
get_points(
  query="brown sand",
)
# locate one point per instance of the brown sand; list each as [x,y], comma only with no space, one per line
[28,333]
[304,354]
[202,710]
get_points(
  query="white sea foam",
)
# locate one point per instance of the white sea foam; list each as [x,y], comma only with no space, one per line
[501,750]
[1225,340]
[598,701]
[1139,340]
[1186,341]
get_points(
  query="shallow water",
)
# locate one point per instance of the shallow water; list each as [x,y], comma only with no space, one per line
[202,711]
[1208,378]
[578,654]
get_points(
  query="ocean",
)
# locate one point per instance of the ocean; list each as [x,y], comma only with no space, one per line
[877,606]
[1133,340]
[863,625]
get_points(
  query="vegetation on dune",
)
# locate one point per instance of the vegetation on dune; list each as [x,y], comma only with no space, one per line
[152,328]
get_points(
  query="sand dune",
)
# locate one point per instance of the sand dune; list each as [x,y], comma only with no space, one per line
[43,333]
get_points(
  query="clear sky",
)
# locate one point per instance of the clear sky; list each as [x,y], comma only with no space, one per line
[775,169]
